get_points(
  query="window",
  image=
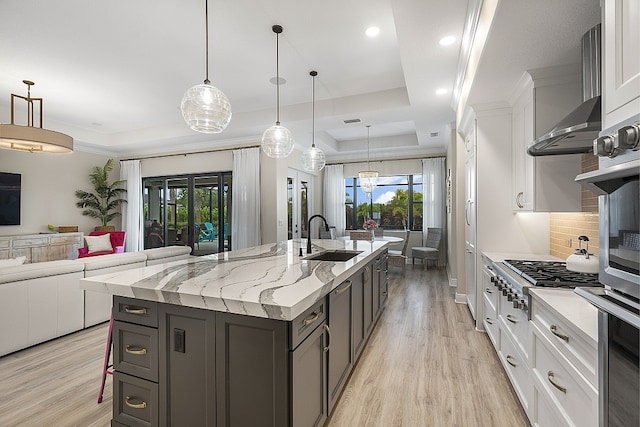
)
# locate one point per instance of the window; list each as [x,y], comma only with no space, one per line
[395,204]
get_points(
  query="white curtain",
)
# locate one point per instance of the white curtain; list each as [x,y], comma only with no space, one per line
[245,193]
[132,214]
[334,194]
[433,200]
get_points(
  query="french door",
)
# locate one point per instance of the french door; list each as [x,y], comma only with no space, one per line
[299,203]
[192,210]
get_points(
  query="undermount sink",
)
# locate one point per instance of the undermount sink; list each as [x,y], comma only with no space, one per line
[339,256]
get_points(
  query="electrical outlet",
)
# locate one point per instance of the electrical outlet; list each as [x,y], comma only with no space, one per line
[569,243]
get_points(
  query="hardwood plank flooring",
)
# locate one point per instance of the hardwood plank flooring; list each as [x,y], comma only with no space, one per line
[424,365]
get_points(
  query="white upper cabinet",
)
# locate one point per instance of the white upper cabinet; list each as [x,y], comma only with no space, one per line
[545,183]
[621,60]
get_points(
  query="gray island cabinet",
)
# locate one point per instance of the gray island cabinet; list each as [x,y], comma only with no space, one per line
[217,360]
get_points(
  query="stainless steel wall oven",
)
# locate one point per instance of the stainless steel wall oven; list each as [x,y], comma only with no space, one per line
[617,183]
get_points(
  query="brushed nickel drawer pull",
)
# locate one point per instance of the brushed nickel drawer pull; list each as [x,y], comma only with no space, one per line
[309,320]
[487,290]
[339,291]
[489,320]
[141,405]
[326,328]
[135,350]
[509,357]
[550,376]
[135,310]
[511,319]
[366,269]
[384,293]
[554,331]
[518,202]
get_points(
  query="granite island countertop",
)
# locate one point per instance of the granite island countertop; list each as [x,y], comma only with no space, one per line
[270,281]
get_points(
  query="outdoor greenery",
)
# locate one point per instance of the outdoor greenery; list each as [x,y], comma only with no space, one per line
[390,215]
[104,203]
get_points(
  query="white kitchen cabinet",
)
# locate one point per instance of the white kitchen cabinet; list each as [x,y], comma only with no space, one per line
[470,220]
[544,183]
[621,60]
[564,359]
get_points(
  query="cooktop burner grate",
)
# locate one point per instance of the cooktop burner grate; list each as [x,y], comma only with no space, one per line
[551,274]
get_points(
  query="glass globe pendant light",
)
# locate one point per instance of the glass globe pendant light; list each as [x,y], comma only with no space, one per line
[277,141]
[204,107]
[368,178]
[313,159]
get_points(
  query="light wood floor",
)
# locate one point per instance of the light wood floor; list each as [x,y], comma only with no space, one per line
[424,365]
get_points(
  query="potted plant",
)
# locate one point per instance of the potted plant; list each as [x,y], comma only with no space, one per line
[106,200]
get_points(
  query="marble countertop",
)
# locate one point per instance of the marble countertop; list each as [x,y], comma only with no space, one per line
[572,307]
[270,281]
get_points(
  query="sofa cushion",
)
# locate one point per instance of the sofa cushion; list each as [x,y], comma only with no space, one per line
[12,261]
[112,260]
[40,269]
[167,252]
[100,243]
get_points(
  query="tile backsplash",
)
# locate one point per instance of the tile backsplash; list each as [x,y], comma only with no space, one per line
[564,229]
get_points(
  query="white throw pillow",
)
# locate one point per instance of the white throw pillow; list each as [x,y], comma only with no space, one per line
[12,261]
[99,243]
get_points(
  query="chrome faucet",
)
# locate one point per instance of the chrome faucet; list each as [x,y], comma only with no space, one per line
[326,227]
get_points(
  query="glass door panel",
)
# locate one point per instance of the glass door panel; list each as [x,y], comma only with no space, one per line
[154,233]
[178,230]
[298,203]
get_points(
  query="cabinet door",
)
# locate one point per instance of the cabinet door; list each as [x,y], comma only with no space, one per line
[522,163]
[381,271]
[368,312]
[357,301]
[252,371]
[340,340]
[187,366]
[621,62]
[309,380]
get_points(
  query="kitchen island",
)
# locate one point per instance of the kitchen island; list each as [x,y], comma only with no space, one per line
[259,336]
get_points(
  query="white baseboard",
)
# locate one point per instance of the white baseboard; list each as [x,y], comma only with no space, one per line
[461,298]
[453,282]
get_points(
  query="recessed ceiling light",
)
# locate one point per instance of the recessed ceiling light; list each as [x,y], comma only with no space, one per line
[447,41]
[441,91]
[372,31]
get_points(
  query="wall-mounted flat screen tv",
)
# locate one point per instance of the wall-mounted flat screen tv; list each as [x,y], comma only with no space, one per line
[10,198]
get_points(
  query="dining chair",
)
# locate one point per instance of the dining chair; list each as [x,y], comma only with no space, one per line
[209,233]
[399,258]
[431,249]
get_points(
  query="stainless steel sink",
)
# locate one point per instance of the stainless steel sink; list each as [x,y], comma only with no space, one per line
[338,256]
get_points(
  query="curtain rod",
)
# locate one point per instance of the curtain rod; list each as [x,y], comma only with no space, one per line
[388,160]
[160,156]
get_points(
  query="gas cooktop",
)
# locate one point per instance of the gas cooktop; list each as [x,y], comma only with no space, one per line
[551,274]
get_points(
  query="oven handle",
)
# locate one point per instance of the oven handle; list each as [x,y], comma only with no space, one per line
[607,306]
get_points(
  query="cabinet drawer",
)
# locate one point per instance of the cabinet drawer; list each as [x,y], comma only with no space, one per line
[135,311]
[544,413]
[581,351]
[32,241]
[4,244]
[66,240]
[517,370]
[490,322]
[516,323]
[304,324]
[135,401]
[564,387]
[490,293]
[135,350]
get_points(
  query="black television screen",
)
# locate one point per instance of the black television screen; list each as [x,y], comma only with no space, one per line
[10,198]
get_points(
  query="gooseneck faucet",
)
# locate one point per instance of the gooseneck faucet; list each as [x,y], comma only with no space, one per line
[326,227]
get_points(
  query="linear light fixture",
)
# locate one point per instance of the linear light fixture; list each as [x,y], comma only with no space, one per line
[31,138]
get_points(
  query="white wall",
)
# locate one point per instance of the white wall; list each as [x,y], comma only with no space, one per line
[49,182]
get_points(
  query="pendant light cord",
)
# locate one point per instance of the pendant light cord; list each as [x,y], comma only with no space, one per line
[277,80]
[368,129]
[206,41]
[313,108]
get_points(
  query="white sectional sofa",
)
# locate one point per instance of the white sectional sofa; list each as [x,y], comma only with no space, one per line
[42,301]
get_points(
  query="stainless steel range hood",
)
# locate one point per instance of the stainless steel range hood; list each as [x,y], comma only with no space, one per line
[575,133]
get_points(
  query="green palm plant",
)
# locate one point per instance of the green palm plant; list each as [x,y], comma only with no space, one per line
[107,198]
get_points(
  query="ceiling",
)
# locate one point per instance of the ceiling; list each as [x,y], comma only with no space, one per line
[112,74]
